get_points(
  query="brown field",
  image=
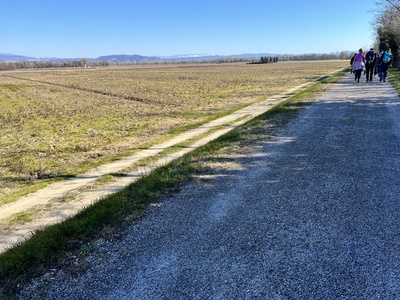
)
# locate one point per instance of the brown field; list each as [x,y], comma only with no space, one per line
[58,123]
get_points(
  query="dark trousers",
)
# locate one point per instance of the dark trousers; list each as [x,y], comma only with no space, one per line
[369,69]
[383,70]
[358,74]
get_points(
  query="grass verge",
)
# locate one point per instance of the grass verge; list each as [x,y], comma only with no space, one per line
[58,246]
[394,78]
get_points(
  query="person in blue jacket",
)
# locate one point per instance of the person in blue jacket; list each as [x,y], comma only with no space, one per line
[384,63]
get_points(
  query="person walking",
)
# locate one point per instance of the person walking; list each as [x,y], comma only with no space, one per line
[369,64]
[351,62]
[376,64]
[385,61]
[358,64]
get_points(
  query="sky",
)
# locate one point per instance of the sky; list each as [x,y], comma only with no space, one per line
[92,28]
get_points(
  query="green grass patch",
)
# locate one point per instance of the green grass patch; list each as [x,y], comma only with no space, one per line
[21,218]
[394,78]
[12,87]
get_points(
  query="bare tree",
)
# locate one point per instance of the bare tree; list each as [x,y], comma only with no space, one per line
[387,26]
[395,4]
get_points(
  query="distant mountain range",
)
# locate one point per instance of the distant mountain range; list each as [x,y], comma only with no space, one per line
[122,58]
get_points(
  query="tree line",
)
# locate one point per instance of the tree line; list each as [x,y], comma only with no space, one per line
[316,56]
[18,65]
[265,60]
[387,27]
[222,60]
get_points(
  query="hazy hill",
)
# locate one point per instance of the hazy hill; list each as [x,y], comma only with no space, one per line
[125,58]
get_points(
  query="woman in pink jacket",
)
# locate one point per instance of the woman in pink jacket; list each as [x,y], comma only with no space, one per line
[358,64]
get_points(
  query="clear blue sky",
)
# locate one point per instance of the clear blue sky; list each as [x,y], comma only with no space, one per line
[91,28]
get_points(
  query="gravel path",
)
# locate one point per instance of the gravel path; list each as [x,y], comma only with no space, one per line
[311,214]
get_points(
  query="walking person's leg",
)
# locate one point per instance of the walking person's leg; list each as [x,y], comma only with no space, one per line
[385,71]
[358,75]
[380,73]
[370,71]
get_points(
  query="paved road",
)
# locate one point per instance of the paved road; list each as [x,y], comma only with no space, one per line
[313,213]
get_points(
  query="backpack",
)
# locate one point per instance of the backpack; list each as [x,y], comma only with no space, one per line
[370,57]
[387,57]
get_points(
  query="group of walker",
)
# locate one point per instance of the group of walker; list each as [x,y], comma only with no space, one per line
[371,63]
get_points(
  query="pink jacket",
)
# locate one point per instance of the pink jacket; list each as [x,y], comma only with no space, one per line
[359,57]
[359,61]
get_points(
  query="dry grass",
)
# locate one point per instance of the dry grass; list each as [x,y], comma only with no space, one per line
[57,123]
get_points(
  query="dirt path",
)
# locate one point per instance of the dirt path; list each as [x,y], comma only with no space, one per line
[59,212]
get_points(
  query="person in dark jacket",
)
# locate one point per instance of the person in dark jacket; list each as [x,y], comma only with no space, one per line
[376,66]
[369,64]
[351,62]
